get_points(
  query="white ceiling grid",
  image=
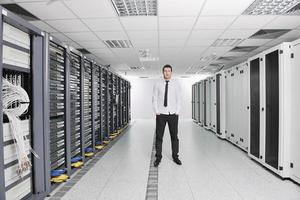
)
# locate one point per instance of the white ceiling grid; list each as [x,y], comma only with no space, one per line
[180,34]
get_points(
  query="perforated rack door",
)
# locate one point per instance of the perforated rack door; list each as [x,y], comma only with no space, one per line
[104,104]
[57,106]
[75,96]
[97,105]
[87,104]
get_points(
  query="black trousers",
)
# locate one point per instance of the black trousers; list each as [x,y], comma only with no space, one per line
[161,121]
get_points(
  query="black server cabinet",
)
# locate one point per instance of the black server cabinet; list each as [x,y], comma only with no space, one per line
[87,105]
[218,102]
[104,104]
[57,87]
[97,104]
[272,108]
[193,102]
[76,105]
[110,103]
[255,107]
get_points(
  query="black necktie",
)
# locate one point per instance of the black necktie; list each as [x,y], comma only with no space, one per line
[166,94]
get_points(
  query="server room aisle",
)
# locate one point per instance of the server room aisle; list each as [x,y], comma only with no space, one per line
[212,170]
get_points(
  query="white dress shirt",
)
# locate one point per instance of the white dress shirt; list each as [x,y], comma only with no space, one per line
[173,105]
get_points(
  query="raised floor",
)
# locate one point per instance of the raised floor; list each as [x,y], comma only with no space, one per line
[212,169]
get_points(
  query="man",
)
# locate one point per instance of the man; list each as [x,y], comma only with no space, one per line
[166,104]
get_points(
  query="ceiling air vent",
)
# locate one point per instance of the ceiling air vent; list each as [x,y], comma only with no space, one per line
[269,33]
[226,42]
[145,56]
[144,77]
[84,51]
[194,69]
[118,43]
[244,49]
[15,8]
[135,7]
[273,7]
[227,58]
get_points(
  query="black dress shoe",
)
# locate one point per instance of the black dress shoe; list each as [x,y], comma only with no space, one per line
[156,162]
[177,161]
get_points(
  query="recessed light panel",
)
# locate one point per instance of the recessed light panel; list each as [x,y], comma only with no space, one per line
[244,49]
[269,33]
[135,7]
[273,7]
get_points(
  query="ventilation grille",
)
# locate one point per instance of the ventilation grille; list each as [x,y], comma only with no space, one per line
[84,51]
[193,69]
[226,42]
[244,49]
[15,8]
[135,7]
[118,43]
[208,58]
[269,33]
[227,58]
[273,7]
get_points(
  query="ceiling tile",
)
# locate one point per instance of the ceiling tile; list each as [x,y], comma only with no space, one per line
[179,8]
[240,34]
[60,37]
[284,22]
[92,44]
[143,35]
[254,42]
[214,22]
[82,36]
[171,43]
[145,43]
[139,23]
[69,25]
[176,23]
[173,35]
[193,51]
[46,10]
[228,7]
[205,34]
[103,24]
[207,42]
[251,22]
[112,35]
[94,9]
[43,26]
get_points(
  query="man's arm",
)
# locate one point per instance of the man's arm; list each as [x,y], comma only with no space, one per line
[154,99]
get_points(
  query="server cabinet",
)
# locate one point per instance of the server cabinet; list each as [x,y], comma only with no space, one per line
[229,104]
[202,103]
[104,104]
[76,104]
[207,103]
[221,104]
[97,105]
[21,73]
[213,104]
[193,102]
[294,89]
[274,113]
[197,102]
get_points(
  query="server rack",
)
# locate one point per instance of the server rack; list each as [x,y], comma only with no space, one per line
[59,110]
[88,118]
[221,104]
[21,64]
[213,104]
[110,103]
[97,105]
[76,104]
[271,147]
[197,104]
[104,104]
[193,102]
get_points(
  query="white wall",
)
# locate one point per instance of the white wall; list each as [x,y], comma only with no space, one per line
[141,97]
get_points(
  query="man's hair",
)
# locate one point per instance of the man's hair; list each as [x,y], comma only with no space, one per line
[167,66]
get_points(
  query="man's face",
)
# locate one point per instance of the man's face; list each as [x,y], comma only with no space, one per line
[167,73]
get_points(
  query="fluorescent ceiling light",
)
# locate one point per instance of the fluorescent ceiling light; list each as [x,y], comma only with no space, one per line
[226,42]
[145,56]
[273,7]
[135,7]
[269,33]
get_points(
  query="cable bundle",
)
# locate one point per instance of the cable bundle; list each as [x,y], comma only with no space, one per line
[15,103]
